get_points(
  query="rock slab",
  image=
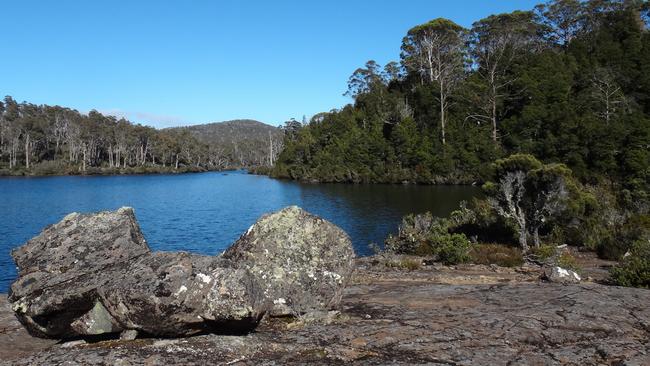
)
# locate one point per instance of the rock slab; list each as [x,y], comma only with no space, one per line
[94,274]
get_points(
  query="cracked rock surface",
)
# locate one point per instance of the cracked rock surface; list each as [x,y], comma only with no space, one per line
[467,315]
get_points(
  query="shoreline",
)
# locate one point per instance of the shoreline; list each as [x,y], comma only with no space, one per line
[120,173]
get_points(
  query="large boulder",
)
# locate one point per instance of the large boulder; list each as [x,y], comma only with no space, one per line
[301,261]
[61,270]
[94,274]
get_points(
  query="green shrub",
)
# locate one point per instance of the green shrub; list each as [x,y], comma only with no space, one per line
[426,235]
[501,255]
[634,269]
[412,234]
[545,252]
[451,248]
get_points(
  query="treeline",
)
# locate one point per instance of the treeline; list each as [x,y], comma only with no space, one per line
[41,139]
[246,143]
[568,82]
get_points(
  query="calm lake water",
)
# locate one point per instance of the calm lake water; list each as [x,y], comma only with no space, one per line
[204,213]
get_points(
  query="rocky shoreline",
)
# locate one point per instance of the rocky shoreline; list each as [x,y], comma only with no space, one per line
[464,315]
[289,291]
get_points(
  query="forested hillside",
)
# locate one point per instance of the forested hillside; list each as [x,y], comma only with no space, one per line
[41,140]
[568,82]
[548,108]
[244,142]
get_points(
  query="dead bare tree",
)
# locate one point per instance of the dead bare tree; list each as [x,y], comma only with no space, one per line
[607,94]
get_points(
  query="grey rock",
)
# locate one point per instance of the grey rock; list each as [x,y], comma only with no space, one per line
[301,262]
[172,294]
[129,335]
[94,274]
[561,275]
[468,316]
[61,270]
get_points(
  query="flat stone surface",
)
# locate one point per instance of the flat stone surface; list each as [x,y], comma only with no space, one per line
[469,315]
[15,342]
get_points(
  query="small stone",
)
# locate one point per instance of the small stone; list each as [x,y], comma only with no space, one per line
[561,275]
[129,335]
[75,343]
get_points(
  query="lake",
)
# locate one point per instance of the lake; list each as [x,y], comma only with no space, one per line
[205,212]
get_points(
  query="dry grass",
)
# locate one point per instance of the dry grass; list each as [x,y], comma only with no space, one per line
[498,254]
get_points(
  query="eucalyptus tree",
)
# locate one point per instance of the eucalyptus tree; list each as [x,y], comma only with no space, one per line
[435,51]
[364,79]
[496,43]
[562,20]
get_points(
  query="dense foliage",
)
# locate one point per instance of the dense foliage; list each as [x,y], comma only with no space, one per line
[41,139]
[550,108]
[568,82]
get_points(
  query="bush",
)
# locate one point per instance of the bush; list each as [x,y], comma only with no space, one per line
[413,233]
[545,252]
[500,255]
[634,269]
[426,235]
[451,248]
[49,167]
[409,264]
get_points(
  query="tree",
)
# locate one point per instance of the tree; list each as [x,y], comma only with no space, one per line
[392,72]
[607,94]
[435,51]
[496,43]
[529,193]
[562,20]
[363,80]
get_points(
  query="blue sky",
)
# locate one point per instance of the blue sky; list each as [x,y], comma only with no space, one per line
[167,63]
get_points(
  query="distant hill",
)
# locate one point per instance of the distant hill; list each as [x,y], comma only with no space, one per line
[246,142]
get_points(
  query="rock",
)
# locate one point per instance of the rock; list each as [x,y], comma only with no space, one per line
[94,274]
[560,275]
[416,317]
[62,269]
[129,335]
[301,262]
[172,294]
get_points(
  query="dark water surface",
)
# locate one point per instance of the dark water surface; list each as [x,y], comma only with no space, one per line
[206,212]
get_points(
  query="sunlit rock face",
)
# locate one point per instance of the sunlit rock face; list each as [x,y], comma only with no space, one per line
[299,261]
[94,274]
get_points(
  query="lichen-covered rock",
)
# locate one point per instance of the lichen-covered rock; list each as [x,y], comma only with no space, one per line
[61,270]
[171,294]
[94,274]
[561,275]
[301,262]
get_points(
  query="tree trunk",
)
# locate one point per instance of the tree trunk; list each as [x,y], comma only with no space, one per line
[442,111]
[494,114]
[536,237]
[84,159]
[27,151]
[522,239]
